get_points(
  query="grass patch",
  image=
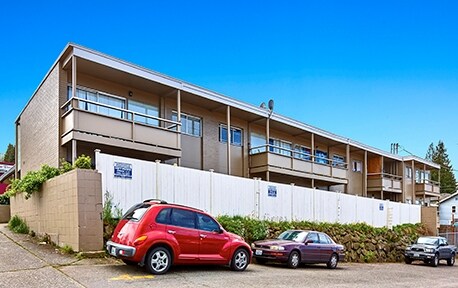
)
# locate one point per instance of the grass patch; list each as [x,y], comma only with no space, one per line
[66,249]
[18,225]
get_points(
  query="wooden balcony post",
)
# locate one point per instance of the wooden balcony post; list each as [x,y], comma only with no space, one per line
[228,121]
[179,121]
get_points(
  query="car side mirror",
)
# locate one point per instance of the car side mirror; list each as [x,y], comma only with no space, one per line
[308,241]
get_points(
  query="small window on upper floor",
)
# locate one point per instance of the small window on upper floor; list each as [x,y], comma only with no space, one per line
[409,172]
[338,161]
[321,157]
[190,125]
[357,166]
[236,135]
[302,152]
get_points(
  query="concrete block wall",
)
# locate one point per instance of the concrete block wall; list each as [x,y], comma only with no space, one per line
[429,219]
[68,208]
[4,213]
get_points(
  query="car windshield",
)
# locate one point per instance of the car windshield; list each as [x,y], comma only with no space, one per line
[136,212]
[427,241]
[297,236]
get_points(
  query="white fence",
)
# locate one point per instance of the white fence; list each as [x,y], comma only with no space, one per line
[130,181]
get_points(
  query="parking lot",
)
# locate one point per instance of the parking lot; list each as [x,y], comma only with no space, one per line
[26,264]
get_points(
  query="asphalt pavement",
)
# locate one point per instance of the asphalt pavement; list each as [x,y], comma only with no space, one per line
[26,263]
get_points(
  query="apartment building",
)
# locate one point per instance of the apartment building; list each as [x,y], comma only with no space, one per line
[89,100]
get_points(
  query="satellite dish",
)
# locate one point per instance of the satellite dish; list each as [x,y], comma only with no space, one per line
[271,104]
[263,105]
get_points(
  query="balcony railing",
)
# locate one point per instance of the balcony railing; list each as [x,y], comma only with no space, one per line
[119,123]
[265,156]
[385,182]
[427,187]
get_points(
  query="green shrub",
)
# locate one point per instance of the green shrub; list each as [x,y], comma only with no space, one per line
[18,225]
[4,199]
[65,166]
[33,180]
[111,214]
[83,162]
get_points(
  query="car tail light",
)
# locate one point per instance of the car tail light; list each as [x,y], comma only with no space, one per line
[140,240]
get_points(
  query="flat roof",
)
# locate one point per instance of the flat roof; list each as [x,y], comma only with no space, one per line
[115,63]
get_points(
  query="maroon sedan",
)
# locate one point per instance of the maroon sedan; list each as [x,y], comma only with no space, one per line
[298,246]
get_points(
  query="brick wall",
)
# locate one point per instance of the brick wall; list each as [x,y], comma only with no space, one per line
[68,208]
[39,126]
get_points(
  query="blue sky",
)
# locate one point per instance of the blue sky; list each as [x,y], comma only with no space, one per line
[376,72]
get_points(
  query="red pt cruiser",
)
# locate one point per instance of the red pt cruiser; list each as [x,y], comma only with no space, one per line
[157,234]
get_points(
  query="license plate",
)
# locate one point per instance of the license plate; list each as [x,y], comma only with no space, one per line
[258,252]
[113,251]
[416,255]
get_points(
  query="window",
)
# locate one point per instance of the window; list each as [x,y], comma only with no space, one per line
[302,152]
[321,157]
[357,166]
[419,176]
[183,218]
[409,172]
[136,213]
[236,135]
[427,176]
[280,147]
[94,96]
[144,109]
[206,223]
[313,237]
[190,125]
[338,161]
[163,217]
[257,143]
[324,239]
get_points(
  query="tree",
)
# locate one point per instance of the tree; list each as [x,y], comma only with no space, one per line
[9,154]
[438,154]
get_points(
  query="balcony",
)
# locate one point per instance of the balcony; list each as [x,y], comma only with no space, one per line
[294,163]
[95,122]
[384,182]
[427,188]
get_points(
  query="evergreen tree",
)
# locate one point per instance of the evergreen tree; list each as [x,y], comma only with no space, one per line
[9,154]
[438,154]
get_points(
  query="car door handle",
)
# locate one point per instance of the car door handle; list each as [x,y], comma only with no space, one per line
[203,236]
[171,231]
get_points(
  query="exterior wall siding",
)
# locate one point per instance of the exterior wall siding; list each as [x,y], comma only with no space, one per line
[39,126]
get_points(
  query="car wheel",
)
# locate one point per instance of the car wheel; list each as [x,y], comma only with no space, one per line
[261,261]
[129,262]
[158,261]
[294,259]
[435,260]
[408,260]
[239,260]
[451,261]
[332,263]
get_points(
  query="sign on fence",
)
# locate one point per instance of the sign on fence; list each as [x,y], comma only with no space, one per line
[122,170]
[272,191]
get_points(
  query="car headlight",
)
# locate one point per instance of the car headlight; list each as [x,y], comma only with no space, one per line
[275,247]
[252,245]
[408,248]
[429,250]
